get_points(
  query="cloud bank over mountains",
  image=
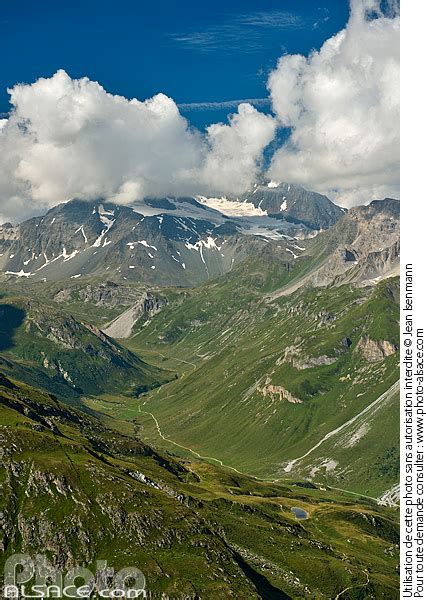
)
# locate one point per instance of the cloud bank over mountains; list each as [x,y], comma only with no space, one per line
[342,105]
[70,138]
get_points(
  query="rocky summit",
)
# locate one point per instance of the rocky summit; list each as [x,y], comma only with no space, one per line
[295,204]
[168,241]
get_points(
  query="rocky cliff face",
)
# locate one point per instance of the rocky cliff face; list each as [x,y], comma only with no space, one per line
[109,294]
[363,247]
[375,350]
[295,204]
[146,306]
[104,294]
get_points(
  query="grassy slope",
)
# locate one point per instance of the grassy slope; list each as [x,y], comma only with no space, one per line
[202,531]
[228,335]
[232,341]
[47,347]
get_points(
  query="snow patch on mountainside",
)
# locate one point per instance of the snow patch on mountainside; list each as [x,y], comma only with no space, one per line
[104,217]
[232,208]
[142,243]
[20,273]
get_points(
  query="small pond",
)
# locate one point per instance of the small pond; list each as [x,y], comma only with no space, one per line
[299,513]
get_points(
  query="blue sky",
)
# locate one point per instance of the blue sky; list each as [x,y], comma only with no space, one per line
[195,52]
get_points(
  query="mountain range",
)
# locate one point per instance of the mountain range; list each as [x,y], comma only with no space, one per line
[166,241]
[221,362]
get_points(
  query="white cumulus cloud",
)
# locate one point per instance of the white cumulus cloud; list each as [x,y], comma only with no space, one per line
[234,149]
[69,138]
[342,106]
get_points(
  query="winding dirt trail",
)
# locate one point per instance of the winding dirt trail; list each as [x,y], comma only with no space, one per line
[382,399]
[222,464]
[166,439]
[352,587]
